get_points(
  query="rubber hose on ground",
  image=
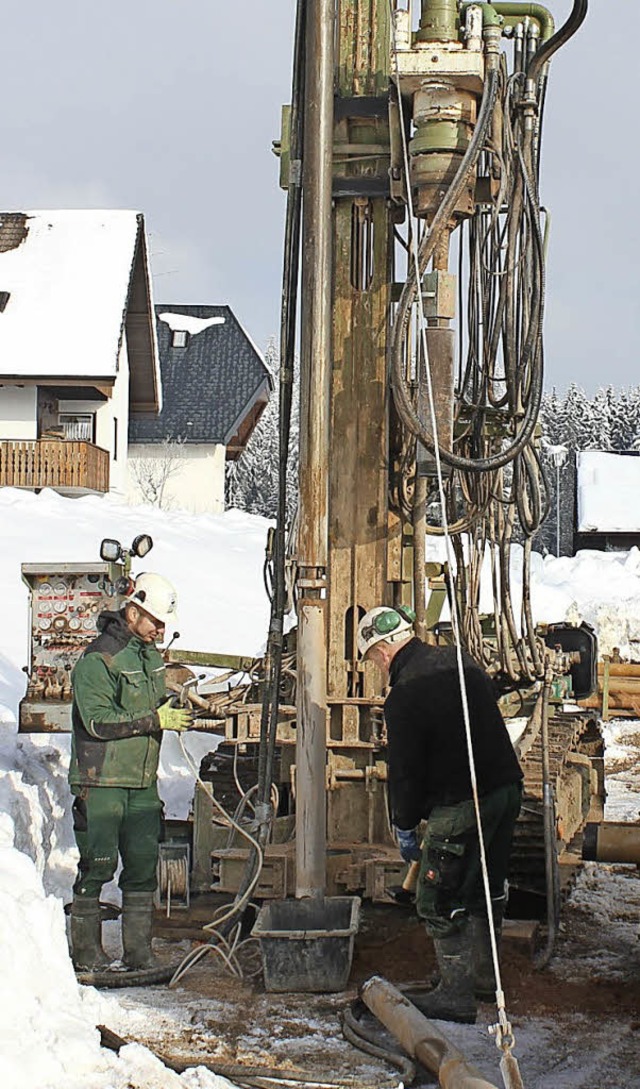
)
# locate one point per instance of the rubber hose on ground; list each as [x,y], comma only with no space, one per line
[368,1040]
[140,977]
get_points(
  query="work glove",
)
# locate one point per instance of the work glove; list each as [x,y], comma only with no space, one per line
[408,844]
[174,718]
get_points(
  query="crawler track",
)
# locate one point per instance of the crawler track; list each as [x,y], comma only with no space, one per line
[576,759]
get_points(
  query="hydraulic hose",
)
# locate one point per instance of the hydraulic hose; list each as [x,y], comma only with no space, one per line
[567,30]
[368,1040]
[142,977]
[271,701]
[442,217]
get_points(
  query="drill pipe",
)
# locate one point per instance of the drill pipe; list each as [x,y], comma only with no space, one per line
[611,841]
[419,1037]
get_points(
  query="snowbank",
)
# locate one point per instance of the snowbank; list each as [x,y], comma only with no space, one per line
[48,1038]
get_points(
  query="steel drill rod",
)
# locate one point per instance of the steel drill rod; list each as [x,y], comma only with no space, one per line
[612,841]
[420,1038]
[317,265]
[315,373]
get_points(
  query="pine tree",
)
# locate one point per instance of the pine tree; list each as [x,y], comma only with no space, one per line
[252,481]
[625,419]
[610,421]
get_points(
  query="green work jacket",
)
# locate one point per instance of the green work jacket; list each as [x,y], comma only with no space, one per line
[117,685]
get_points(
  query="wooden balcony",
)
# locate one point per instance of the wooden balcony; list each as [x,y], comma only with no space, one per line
[72,468]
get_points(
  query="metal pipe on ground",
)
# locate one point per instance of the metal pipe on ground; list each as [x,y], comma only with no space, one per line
[420,1038]
[611,841]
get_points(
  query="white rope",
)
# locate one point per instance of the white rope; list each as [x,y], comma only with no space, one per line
[226,913]
[503,1030]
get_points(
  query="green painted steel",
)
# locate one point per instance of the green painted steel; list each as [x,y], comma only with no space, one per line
[509,14]
[210,658]
[441,136]
[438,21]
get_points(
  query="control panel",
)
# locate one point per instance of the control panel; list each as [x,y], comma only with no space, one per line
[66,602]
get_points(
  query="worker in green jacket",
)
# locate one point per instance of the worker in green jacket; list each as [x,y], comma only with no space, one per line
[119,712]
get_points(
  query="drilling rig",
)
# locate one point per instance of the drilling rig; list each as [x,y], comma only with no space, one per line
[415,240]
[414,266]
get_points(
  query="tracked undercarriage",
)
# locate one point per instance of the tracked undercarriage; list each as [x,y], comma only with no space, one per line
[577,774]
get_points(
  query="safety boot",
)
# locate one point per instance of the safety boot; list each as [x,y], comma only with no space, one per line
[482,957]
[453,998]
[87,953]
[137,923]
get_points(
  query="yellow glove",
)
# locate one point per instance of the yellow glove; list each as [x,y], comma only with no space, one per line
[174,718]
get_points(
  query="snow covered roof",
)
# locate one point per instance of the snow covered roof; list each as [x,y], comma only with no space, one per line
[608,492]
[71,283]
[215,381]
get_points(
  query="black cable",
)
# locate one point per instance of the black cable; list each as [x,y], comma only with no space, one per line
[114,980]
[273,658]
[567,30]
[368,1040]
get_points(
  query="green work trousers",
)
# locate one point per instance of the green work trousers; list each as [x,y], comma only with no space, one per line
[450,886]
[117,820]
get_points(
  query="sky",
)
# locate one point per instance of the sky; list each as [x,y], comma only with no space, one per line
[170,106]
[48,1036]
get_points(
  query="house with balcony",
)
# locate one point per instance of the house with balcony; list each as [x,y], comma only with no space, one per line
[78,354]
[216,385]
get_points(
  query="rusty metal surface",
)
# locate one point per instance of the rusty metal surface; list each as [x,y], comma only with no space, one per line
[575,765]
[311,830]
[615,841]
[420,1038]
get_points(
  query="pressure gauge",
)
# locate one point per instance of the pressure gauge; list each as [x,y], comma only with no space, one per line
[44,624]
[60,588]
[59,623]
[44,588]
[59,606]
[87,624]
[74,624]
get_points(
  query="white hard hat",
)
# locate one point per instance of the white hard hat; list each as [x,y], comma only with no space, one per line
[386,623]
[156,596]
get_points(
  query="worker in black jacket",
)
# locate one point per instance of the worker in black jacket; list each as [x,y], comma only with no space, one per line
[430,779]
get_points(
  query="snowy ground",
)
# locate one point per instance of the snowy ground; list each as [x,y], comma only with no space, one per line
[575,1024]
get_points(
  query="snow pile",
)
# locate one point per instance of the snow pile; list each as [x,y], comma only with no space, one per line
[44,1037]
[188,323]
[601,588]
[48,1038]
[606,594]
[34,794]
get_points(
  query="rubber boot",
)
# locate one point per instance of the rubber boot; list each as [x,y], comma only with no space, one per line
[483,971]
[87,953]
[137,923]
[452,999]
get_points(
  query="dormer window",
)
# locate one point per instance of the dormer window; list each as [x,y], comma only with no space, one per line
[179,338]
[4,299]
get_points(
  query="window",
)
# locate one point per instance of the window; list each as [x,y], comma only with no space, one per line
[179,338]
[79,427]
